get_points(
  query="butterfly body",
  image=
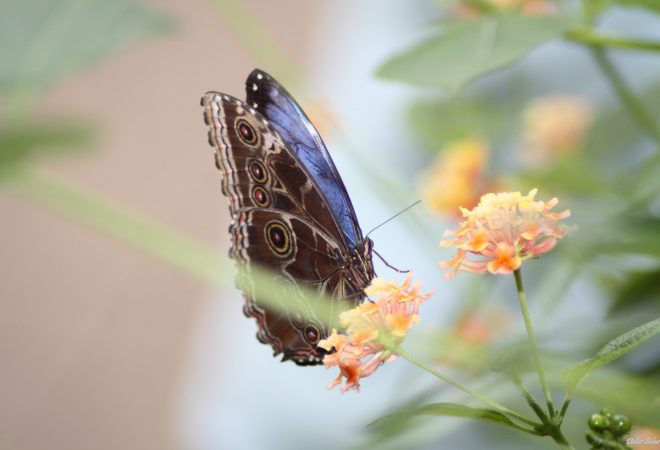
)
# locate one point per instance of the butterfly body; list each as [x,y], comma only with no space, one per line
[290,213]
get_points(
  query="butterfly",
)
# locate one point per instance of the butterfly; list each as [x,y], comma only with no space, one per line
[290,213]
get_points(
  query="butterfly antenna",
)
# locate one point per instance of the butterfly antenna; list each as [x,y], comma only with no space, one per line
[393,217]
[388,264]
[380,225]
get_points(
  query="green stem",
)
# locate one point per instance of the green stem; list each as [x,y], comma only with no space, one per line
[564,406]
[501,408]
[552,428]
[532,402]
[644,119]
[532,342]
[560,439]
[585,35]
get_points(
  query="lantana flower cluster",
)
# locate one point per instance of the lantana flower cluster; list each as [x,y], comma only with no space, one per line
[504,229]
[457,176]
[373,330]
[554,126]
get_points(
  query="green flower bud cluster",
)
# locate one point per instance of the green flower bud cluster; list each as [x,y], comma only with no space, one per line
[607,430]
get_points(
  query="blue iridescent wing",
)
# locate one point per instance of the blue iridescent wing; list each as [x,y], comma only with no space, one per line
[273,101]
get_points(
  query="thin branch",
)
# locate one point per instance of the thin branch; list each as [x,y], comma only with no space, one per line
[591,37]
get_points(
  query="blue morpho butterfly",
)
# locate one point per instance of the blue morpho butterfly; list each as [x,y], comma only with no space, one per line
[290,212]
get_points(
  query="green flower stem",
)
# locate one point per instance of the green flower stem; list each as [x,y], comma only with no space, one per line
[556,434]
[501,408]
[532,342]
[587,35]
[564,406]
[552,428]
[643,118]
[532,403]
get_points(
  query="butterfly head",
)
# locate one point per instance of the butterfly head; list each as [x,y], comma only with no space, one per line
[361,267]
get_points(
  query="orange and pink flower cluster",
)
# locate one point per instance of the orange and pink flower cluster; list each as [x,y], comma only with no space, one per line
[373,330]
[504,229]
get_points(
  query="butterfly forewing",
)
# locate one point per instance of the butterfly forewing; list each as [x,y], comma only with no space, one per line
[302,138]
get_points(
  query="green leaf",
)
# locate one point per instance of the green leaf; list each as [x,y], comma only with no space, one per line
[613,350]
[634,288]
[465,50]
[593,8]
[573,174]
[43,40]
[513,360]
[20,142]
[628,394]
[653,5]
[438,121]
[615,132]
[623,235]
[396,428]
[445,409]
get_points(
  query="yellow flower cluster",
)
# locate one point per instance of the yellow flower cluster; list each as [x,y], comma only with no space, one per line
[456,177]
[553,126]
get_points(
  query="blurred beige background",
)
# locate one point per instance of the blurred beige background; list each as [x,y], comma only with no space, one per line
[105,347]
[93,334]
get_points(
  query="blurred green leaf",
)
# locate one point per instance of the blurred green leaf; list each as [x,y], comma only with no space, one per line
[20,142]
[43,40]
[593,8]
[513,359]
[400,426]
[573,174]
[652,5]
[463,355]
[615,133]
[612,132]
[436,122]
[622,235]
[445,409]
[635,288]
[465,50]
[632,395]
[611,351]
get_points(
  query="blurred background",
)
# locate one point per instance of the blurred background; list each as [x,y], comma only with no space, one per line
[120,327]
